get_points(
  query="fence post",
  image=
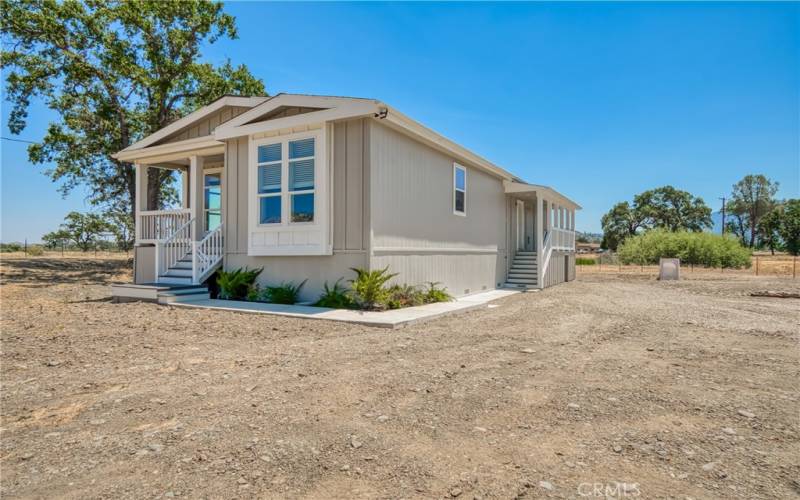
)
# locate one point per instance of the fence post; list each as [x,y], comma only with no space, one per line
[756,265]
[794,267]
[26,247]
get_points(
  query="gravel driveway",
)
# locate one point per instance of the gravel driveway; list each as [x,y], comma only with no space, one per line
[619,385]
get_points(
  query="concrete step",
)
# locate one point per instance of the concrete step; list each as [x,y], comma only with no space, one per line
[174,297]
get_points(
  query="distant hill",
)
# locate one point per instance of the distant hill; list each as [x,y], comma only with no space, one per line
[589,237]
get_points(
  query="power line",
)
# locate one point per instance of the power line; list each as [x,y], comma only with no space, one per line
[17,140]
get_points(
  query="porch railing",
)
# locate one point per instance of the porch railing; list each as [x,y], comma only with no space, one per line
[562,239]
[156,225]
[207,253]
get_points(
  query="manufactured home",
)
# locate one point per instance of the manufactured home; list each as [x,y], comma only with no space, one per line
[308,187]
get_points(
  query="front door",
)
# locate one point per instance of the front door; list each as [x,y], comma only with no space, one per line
[212,199]
[520,225]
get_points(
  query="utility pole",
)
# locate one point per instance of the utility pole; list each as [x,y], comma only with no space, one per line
[723,215]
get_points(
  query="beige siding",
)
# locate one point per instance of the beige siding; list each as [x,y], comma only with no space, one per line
[350,169]
[144,264]
[205,126]
[561,268]
[415,231]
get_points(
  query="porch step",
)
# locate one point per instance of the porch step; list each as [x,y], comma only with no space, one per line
[167,279]
[187,294]
[178,272]
[524,271]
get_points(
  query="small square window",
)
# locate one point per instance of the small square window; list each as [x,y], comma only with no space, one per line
[269,210]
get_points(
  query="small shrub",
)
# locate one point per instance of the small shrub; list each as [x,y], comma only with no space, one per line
[35,251]
[704,249]
[436,294]
[253,293]
[285,293]
[368,288]
[10,247]
[236,284]
[400,296]
[336,297]
[583,261]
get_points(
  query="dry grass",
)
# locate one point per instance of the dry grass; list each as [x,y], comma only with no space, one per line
[687,389]
[779,265]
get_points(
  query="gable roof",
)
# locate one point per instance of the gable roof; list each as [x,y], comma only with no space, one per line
[193,117]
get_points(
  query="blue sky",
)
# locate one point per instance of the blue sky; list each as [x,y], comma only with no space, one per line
[600,101]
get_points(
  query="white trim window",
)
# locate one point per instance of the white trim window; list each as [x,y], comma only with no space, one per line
[459,190]
[270,187]
[301,180]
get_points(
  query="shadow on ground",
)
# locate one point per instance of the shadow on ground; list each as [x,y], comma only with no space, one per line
[46,272]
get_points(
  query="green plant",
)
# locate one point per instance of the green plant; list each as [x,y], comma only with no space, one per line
[368,288]
[704,249]
[436,294]
[583,261]
[336,297]
[253,293]
[236,284]
[285,293]
[404,296]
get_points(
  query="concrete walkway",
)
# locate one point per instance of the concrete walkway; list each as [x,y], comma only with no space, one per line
[386,319]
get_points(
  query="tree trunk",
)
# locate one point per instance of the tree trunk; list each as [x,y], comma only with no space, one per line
[153,190]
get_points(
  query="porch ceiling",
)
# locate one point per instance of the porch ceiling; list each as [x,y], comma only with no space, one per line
[521,189]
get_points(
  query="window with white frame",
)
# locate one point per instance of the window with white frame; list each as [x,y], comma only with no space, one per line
[212,199]
[270,169]
[459,189]
[296,197]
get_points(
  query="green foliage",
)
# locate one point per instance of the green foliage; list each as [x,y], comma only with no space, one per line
[368,289]
[705,249]
[285,293]
[253,293]
[337,297]
[768,229]
[664,207]
[113,72]
[82,229]
[789,228]
[434,293]
[236,284]
[400,296]
[11,247]
[583,261]
[751,199]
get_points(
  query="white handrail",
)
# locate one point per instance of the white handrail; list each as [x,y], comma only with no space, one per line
[547,251]
[206,254]
[160,224]
[173,248]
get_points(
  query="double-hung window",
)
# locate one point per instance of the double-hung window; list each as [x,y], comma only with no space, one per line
[270,169]
[292,160]
[301,179]
[459,190]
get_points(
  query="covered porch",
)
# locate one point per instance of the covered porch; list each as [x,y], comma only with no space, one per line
[542,224]
[180,245]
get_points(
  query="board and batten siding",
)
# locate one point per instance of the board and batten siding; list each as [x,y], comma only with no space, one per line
[205,126]
[560,268]
[348,184]
[414,230]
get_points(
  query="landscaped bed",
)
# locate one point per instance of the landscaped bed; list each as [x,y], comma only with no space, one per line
[368,291]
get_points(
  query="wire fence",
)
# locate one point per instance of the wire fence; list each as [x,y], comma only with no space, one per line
[779,265]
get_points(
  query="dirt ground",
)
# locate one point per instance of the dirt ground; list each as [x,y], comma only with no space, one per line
[610,386]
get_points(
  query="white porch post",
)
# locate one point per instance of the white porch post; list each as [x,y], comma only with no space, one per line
[140,201]
[185,188]
[196,195]
[196,207]
[540,217]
